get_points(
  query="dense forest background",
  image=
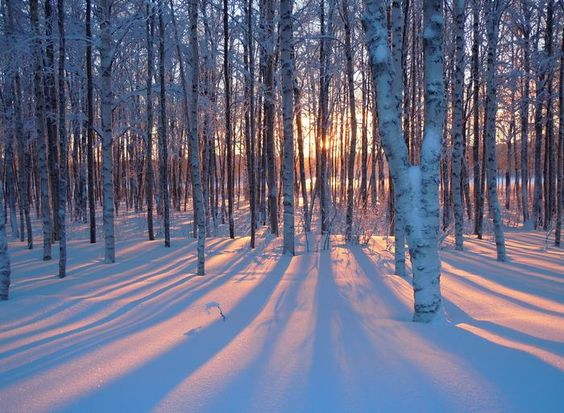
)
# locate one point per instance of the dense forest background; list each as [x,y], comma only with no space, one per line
[272,111]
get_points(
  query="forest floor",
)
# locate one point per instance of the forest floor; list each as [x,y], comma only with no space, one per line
[324,331]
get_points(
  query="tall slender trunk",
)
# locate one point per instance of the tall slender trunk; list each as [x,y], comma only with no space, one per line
[24,158]
[269,114]
[40,129]
[149,176]
[323,120]
[163,149]
[524,112]
[194,140]
[458,123]
[63,172]
[550,149]
[107,97]
[560,158]
[5,270]
[493,18]
[478,195]
[397,85]
[537,195]
[90,123]
[228,120]
[287,73]
[12,129]
[51,117]
[352,111]
[250,120]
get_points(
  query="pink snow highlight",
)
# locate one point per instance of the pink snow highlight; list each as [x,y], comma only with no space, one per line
[323,331]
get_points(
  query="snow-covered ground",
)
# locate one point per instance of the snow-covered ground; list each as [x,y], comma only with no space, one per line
[325,331]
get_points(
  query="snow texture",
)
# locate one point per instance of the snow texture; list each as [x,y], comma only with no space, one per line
[326,331]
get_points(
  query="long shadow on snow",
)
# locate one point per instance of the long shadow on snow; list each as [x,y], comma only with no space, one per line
[172,367]
[81,345]
[474,354]
[244,389]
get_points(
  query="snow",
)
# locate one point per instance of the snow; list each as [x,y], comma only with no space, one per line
[325,331]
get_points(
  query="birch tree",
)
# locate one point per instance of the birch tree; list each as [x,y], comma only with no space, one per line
[106,100]
[352,112]
[228,120]
[397,85]
[417,186]
[90,123]
[250,121]
[163,152]
[524,112]
[493,17]
[287,69]
[458,125]
[149,180]
[40,128]
[560,157]
[269,145]
[194,140]
[63,151]
[5,271]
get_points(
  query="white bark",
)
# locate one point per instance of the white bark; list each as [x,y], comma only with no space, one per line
[106,57]
[40,129]
[63,172]
[397,86]
[4,258]
[287,69]
[525,113]
[150,26]
[194,140]
[493,15]
[352,110]
[163,150]
[416,186]
[458,125]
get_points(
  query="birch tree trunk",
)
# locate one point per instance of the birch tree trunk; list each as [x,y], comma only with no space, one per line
[63,151]
[324,78]
[525,113]
[250,121]
[478,194]
[269,45]
[228,143]
[24,158]
[417,186]
[51,118]
[106,60]
[353,127]
[301,157]
[397,85]
[493,17]
[458,124]
[12,129]
[149,176]
[90,123]
[550,149]
[40,129]
[537,195]
[194,140]
[5,271]
[287,73]
[163,150]
[560,158]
